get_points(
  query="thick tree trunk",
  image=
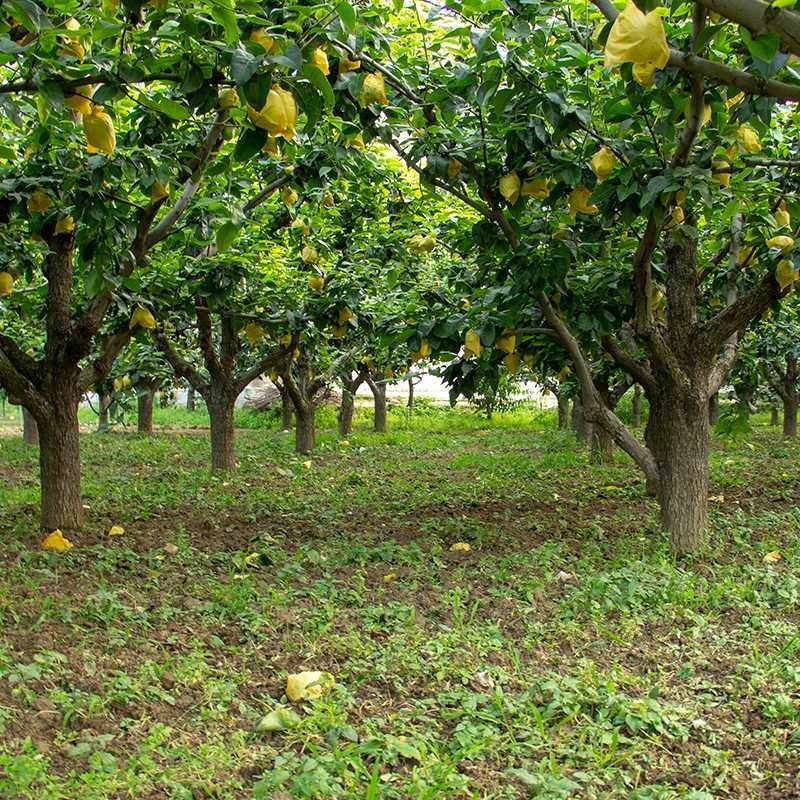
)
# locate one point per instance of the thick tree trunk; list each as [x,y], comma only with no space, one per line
[679,439]
[144,403]
[379,398]
[60,465]
[102,417]
[773,415]
[221,410]
[190,399]
[345,415]
[410,403]
[713,408]
[584,430]
[305,434]
[790,404]
[602,446]
[563,410]
[30,430]
[636,407]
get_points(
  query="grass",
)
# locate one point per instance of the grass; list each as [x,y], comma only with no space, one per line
[565,655]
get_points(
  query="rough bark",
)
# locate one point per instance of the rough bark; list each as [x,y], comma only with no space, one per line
[287,412]
[345,413]
[191,402]
[221,408]
[144,405]
[563,409]
[350,384]
[305,433]
[60,465]
[790,417]
[773,415]
[713,408]
[410,402]
[378,388]
[602,446]
[679,439]
[102,416]
[636,407]
[584,430]
[30,430]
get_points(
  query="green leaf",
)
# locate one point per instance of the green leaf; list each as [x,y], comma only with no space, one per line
[764,47]
[250,142]
[347,15]
[165,106]
[28,14]
[256,89]
[225,236]
[291,57]
[310,102]
[243,64]
[223,13]
[320,82]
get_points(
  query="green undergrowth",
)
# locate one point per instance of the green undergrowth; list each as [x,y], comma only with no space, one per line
[566,654]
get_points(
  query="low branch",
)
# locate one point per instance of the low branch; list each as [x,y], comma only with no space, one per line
[21,388]
[274,359]
[26,365]
[713,333]
[101,366]
[594,408]
[180,366]
[627,362]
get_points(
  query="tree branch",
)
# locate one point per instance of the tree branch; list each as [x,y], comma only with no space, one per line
[627,362]
[210,145]
[720,73]
[759,18]
[712,334]
[595,409]
[180,366]
[101,366]
[26,365]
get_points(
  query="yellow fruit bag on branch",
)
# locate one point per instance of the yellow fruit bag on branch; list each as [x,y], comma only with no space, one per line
[639,39]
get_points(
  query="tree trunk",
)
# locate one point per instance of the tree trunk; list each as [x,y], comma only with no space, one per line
[563,410]
[581,427]
[713,408]
[305,435]
[221,409]
[379,397]
[102,417]
[345,415]
[744,396]
[602,446]
[679,439]
[190,399]
[410,403]
[144,402]
[790,404]
[30,430]
[636,407]
[773,415]
[60,465]
[287,414]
